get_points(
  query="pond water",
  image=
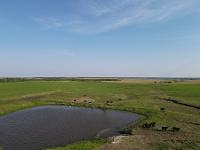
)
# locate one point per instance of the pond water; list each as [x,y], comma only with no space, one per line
[51,126]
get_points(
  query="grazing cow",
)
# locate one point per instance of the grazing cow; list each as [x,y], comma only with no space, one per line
[153,124]
[149,125]
[162,109]
[164,128]
[175,129]
[146,125]
[109,102]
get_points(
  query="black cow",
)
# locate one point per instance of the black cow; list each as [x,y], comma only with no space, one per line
[164,128]
[149,125]
[175,129]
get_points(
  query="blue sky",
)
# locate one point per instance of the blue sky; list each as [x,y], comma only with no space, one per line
[100,38]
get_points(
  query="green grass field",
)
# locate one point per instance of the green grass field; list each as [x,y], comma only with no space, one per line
[144,98]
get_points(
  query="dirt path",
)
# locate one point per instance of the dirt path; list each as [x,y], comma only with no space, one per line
[180,103]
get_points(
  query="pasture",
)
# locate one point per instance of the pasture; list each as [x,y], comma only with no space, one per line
[139,96]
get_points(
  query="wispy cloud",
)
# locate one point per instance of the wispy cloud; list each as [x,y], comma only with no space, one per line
[57,22]
[104,15]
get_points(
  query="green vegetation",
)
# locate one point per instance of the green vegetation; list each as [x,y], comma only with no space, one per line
[144,98]
[85,145]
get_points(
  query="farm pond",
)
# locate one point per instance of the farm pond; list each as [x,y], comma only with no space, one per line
[51,126]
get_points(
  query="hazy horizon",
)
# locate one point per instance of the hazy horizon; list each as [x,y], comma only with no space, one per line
[100,38]
[94,77]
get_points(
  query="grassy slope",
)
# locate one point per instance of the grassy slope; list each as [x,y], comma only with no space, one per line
[133,97]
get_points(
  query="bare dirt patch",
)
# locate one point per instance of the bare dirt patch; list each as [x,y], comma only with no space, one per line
[147,139]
